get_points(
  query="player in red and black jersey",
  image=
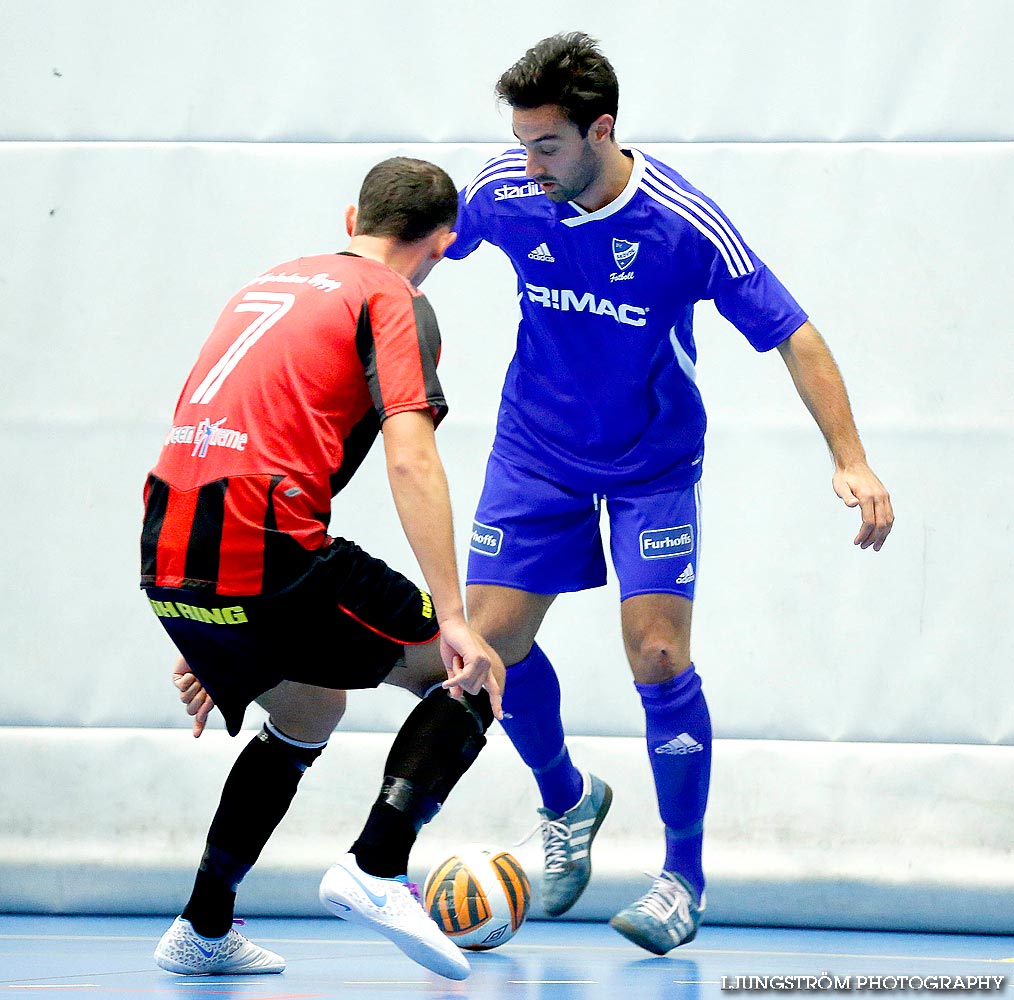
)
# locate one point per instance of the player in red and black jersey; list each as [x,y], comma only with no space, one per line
[288,394]
[306,364]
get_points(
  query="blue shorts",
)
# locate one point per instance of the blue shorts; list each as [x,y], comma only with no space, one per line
[534,535]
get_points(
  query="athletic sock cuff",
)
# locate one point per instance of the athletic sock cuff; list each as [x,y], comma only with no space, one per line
[674,691]
[278,734]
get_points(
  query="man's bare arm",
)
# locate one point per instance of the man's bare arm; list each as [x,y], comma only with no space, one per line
[821,387]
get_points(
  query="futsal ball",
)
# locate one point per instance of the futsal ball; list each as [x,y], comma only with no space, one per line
[478,896]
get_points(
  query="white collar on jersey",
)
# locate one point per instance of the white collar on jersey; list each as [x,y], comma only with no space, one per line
[617,203]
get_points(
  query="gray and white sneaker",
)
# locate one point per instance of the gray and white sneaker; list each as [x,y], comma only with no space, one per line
[183,951]
[667,916]
[391,907]
[566,845]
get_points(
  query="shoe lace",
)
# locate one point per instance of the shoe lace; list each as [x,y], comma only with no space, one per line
[555,843]
[413,888]
[238,921]
[666,896]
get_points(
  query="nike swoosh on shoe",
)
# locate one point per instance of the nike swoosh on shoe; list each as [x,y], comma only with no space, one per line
[379,901]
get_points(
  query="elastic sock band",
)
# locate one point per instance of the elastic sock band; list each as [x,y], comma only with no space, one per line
[557,760]
[300,755]
[431,689]
[276,732]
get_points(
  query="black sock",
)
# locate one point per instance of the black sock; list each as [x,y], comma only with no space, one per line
[433,749]
[212,901]
[383,847]
[256,796]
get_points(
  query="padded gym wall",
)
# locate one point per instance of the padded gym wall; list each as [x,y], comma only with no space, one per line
[157,157]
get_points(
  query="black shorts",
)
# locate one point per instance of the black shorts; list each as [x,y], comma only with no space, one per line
[345,624]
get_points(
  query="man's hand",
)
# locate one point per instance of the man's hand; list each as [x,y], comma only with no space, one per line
[859,487]
[471,664]
[193,695]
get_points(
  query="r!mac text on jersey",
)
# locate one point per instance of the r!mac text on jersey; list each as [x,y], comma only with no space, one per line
[567,300]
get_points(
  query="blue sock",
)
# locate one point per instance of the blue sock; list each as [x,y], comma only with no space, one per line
[531,707]
[678,732]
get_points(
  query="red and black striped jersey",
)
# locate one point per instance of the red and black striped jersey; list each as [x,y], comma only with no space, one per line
[287,396]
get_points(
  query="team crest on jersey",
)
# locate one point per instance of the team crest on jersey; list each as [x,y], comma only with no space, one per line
[624,253]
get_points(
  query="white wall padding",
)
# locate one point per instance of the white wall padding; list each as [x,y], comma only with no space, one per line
[424,70]
[121,255]
[799,834]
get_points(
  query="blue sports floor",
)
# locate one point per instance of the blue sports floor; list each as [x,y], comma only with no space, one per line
[97,957]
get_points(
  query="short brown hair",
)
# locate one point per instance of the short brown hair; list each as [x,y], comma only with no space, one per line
[406,199]
[567,70]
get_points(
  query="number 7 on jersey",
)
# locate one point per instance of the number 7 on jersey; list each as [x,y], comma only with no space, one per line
[272,306]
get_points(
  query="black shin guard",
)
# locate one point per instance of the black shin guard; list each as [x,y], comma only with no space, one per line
[256,796]
[433,749]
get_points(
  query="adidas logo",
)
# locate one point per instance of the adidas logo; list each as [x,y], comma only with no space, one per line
[542,252]
[684,743]
[687,576]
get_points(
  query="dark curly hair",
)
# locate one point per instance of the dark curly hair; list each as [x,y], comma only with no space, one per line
[567,70]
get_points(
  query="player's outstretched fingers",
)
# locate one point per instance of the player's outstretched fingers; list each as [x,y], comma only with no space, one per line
[867,532]
[878,518]
[494,688]
[201,716]
[885,521]
[453,672]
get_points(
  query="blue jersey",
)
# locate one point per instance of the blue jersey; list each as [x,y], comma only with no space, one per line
[601,391]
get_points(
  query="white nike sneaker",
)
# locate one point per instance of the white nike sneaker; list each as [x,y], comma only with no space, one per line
[392,907]
[183,951]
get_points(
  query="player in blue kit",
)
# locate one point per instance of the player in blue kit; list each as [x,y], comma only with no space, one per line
[600,410]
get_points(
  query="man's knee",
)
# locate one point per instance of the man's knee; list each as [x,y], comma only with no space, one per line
[658,654]
[507,619]
[512,643]
[419,670]
[305,712]
[656,635]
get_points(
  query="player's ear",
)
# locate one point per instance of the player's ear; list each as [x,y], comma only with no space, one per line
[443,244]
[602,128]
[351,214]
